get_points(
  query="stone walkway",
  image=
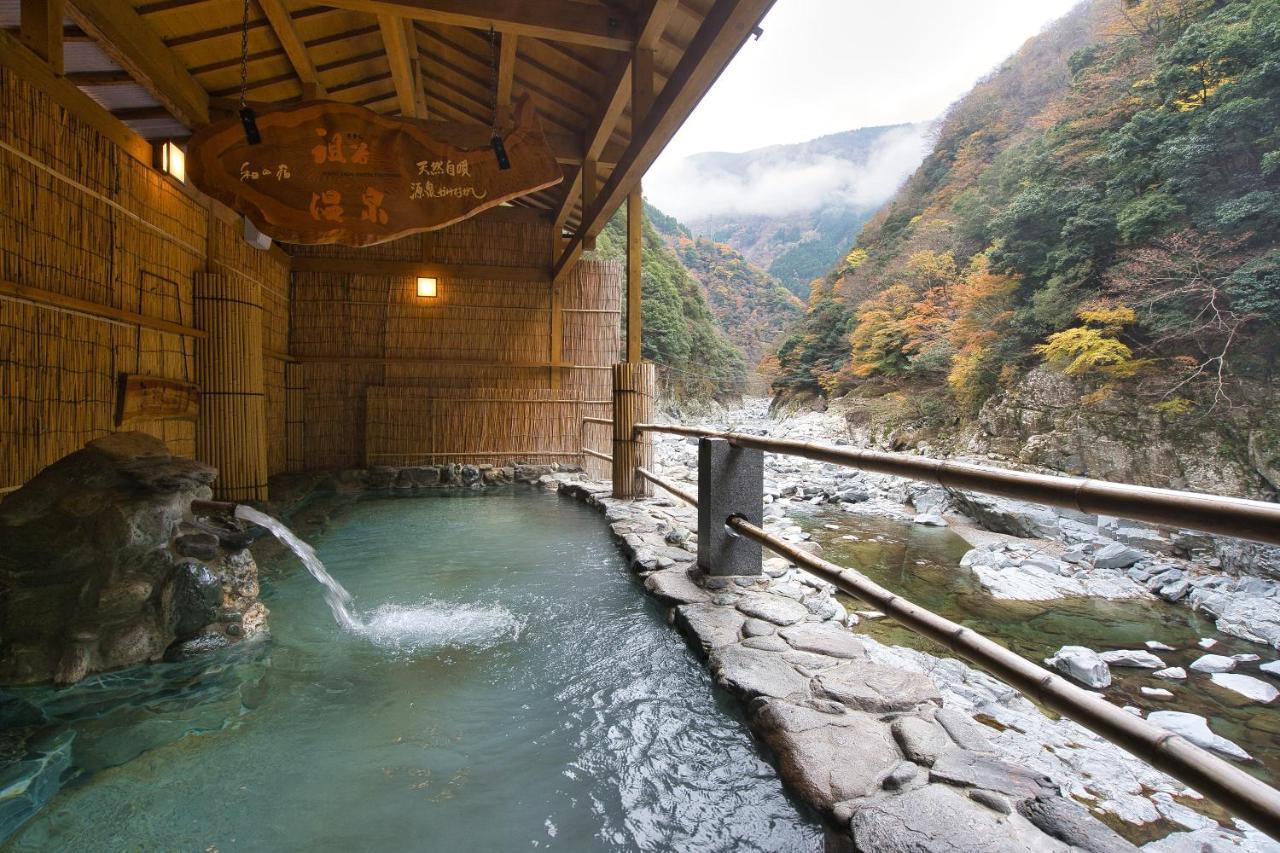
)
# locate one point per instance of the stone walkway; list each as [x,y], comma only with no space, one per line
[870,744]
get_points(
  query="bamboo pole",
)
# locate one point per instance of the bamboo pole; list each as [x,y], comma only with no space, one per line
[232,431]
[1225,784]
[1238,517]
[633,392]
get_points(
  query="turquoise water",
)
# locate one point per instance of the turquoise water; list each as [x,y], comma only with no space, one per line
[516,690]
[923,564]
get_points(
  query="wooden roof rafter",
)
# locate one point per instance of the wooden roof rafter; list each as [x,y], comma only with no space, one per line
[293,46]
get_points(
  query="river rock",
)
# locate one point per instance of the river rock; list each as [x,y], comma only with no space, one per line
[676,585]
[1004,515]
[1157,646]
[1273,668]
[1251,618]
[1132,657]
[940,819]
[770,643]
[1246,685]
[1213,663]
[1173,673]
[876,688]
[771,608]
[1066,821]
[827,758]
[103,566]
[1156,692]
[1082,664]
[1116,556]
[1195,728]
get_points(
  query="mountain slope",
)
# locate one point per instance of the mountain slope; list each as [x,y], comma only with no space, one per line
[793,209]
[695,358]
[750,306]
[1105,208]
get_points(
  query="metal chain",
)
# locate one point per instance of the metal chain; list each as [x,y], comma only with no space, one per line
[244,54]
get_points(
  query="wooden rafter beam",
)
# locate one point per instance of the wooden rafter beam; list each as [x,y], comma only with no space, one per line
[555,20]
[723,32]
[619,92]
[402,50]
[41,30]
[506,78]
[294,48]
[134,45]
[102,78]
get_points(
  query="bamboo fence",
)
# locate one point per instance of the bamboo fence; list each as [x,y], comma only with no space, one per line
[103,248]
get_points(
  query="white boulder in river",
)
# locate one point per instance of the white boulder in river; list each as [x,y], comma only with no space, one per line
[1132,657]
[1195,728]
[1084,665]
[1246,685]
[1214,663]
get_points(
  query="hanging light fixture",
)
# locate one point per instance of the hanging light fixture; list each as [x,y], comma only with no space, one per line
[247,117]
[496,143]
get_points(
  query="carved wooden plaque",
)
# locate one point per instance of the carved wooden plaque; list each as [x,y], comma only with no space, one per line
[154,397]
[327,172]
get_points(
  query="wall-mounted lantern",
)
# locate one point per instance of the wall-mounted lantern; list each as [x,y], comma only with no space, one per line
[426,287]
[173,161]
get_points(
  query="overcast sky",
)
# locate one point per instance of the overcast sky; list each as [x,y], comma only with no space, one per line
[824,66]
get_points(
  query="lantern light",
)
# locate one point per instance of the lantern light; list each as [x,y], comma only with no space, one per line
[426,287]
[173,161]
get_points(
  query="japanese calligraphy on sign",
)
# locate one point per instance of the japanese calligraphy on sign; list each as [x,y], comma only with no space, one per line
[338,173]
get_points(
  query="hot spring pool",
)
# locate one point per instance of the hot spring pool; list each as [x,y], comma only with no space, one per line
[515,690]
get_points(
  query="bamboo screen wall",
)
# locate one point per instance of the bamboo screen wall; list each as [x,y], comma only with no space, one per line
[82,219]
[394,379]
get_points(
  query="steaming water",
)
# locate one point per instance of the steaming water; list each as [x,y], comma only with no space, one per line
[396,626]
[509,686]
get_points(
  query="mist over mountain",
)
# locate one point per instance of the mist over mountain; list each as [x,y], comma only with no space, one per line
[793,210]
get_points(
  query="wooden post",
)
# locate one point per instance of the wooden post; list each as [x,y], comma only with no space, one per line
[635,245]
[590,188]
[231,433]
[633,391]
[295,435]
[41,30]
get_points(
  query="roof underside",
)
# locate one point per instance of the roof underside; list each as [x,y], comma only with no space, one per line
[451,60]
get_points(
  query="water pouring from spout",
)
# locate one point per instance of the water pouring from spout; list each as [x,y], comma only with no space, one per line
[335,594]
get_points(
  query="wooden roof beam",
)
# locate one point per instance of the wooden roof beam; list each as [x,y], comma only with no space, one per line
[506,78]
[134,45]
[294,48]
[402,50]
[556,20]
[725,29]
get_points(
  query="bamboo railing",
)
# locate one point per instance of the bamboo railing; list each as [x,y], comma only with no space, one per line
[1229,786]
[1236,517]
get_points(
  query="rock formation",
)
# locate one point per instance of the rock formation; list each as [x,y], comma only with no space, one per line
[102,566]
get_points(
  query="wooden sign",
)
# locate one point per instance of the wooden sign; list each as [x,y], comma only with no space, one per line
[327,172]
[156,398]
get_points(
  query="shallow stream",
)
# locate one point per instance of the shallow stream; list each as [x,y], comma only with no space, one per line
[511,689]
[922,564]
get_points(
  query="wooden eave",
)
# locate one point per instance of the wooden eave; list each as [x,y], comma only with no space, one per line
[175,64]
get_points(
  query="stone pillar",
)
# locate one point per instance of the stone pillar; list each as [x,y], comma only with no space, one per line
[730,483]
[633,391]
[231,434]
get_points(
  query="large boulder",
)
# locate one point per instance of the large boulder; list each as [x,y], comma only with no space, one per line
[102,565]
[1082,664]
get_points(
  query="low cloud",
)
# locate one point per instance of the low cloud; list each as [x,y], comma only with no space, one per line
[789,183]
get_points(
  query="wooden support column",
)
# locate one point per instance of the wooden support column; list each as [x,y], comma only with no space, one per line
[231,433]
[41,30]
[633,391]
[590,188]
[556,351]
[294,432]
[635,245]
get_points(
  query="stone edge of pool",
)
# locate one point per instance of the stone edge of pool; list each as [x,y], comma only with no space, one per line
[870,747]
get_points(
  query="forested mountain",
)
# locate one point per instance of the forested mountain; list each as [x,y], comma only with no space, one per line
[793,210]
[750,306]
[694,357]
[1104,207]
